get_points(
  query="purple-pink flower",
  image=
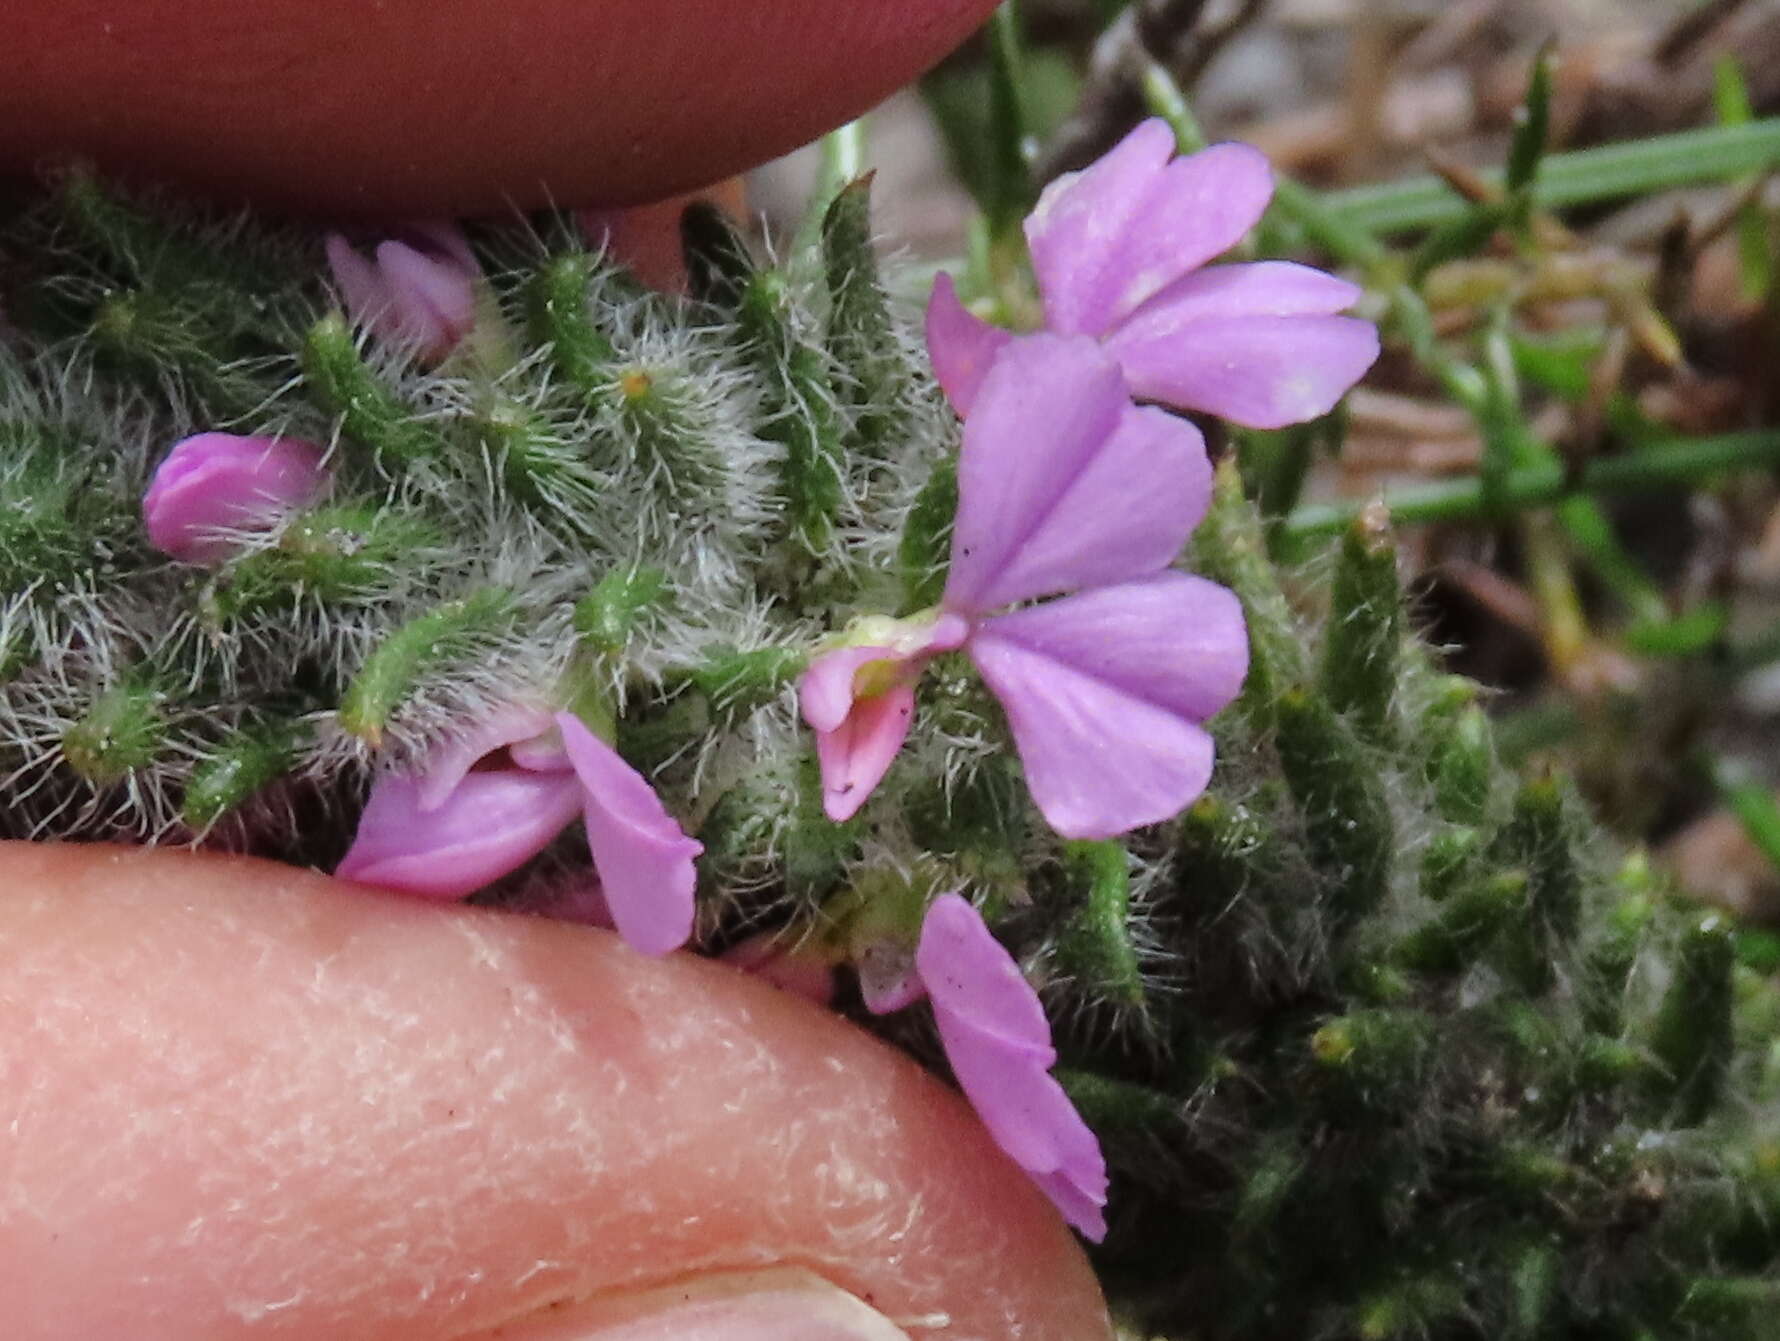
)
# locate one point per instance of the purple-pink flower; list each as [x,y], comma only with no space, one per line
[214,486]
[491,799]
[999,1044]
[1120,252]
[417,290]
[1067,490]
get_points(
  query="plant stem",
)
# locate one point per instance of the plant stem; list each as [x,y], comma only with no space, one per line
[1660,465]
[1581,177]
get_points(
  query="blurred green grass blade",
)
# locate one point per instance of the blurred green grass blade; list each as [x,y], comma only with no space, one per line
[1532,126]
[1584,176]
[1754,259]
[1661,464]
[1010,143]
[975,105]
[1684,635]
[1752,802]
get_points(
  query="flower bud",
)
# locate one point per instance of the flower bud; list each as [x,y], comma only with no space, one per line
[214,486]
[419,291]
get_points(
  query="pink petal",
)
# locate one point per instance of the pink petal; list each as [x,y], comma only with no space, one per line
[1118,234]
[450,761]
[971,976]
[444,239]
[362,290]
[420,291]
[1080,222]
[644,858]
[856,755]
[1249,289]
[432,301]
[825,690]
[1032,1119]
[999,1044]
[1171,639]
[961,346]
[1079,1193]
[1125,515]
[492,824]
[1200,207]
[1104,692]
[1044,412]
[1259,371]
[215,483]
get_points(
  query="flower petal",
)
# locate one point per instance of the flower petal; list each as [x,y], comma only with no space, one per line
[491,824]
[1047,408]
[971,977]
[1199,207]
[1247,289]
[855,755]
[1258,371]
[361,288]
[961,345]
[999,1044]
[1125,515]
[1104,692]
[444,239]
[432,300]
[1079,1193]
[450,761]
[825,689]
[644,858]
[1108,240]
[1174,640]
[1080,222]
[420,291]
[212,484]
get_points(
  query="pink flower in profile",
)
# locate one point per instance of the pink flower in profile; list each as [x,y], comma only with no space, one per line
[999,1044]
[490,800]
[860,699]
[1067,490]
[1120,251]
[417,290]
[214,486]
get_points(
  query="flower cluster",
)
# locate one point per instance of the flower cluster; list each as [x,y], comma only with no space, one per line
[1073,505]
[1078,486]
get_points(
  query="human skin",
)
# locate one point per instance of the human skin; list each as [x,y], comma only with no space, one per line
[239,1100]
[449,107]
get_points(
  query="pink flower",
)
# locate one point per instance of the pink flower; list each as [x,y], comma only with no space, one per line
[418,292]
[999,1044]
[213,486]
[1063,487]
[492,799]
[861,701]
[1120,252]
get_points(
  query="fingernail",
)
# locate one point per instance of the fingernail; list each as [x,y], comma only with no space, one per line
[783,1304]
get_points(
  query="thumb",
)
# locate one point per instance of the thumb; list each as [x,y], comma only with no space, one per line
[238,1100]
